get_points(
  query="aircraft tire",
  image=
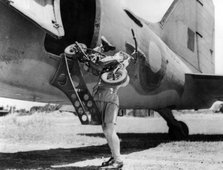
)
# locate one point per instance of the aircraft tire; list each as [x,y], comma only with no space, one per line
[179,132]
[120,77]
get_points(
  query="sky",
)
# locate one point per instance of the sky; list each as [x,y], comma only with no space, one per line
[153,10]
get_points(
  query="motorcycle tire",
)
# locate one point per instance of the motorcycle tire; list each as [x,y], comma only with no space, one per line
[114,79]
[70,50]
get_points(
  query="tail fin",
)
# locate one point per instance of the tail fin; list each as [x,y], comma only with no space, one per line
[188,29]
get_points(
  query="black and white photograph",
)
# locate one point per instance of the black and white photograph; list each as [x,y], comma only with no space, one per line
[111,85]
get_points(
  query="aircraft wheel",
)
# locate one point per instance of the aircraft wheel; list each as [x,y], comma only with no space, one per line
[114,79]
[179,132]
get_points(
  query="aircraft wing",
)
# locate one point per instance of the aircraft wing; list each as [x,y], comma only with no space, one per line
[45,13]
[203,90]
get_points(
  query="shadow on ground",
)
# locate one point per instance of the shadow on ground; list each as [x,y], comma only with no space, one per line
[130,143]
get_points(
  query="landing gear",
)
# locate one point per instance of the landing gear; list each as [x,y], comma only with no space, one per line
[178,130]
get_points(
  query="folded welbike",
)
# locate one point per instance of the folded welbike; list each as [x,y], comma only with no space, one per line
[111,69]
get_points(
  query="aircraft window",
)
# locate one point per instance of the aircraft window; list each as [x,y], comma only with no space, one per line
[191,39]
[138,22]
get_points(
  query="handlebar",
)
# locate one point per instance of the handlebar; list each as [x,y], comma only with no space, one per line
[82,51]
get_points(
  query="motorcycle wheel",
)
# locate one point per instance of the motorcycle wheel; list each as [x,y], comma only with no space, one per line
[71,49]
[114,79]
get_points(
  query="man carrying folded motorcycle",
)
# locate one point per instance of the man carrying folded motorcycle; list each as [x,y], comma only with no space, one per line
[107,101]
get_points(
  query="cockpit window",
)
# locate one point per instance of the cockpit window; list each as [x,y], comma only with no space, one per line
[133,18]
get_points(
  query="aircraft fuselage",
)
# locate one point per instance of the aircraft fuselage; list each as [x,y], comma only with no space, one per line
[157,77]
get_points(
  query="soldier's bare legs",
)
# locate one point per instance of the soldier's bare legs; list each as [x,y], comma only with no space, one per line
[113,140]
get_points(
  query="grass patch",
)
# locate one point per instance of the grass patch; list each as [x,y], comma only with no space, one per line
[22,128]
[45,131]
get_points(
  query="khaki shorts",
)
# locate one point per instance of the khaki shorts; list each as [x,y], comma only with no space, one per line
[108,111]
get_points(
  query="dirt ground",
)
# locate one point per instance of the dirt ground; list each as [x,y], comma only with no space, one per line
[58,141]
